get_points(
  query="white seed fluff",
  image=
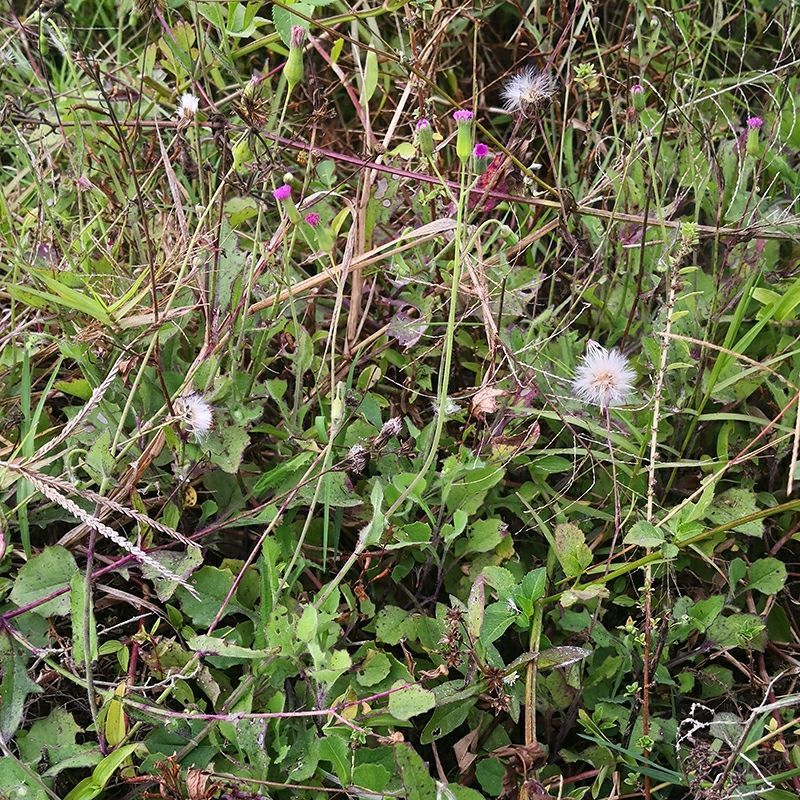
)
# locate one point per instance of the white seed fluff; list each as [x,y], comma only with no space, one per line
[187,106]
[603,377]
[528,90]
[196,413]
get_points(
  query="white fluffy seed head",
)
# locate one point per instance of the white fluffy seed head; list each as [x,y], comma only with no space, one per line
[196,414]
[528,90]
[603,377]
[187,106]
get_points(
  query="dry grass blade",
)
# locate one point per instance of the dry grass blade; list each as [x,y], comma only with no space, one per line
[92,522]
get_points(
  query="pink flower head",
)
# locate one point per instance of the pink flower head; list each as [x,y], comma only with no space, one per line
[312,219]
[754,123]
[462,115]
[283,192]
[481,150]
[637,88]
[297,37]
[422,123]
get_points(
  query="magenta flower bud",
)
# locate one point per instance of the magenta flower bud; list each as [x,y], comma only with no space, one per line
[754,125]
[297,37]
[481,150]
[312,219]
[424,136]
[293,68]
[463,119]
[637,93]
[283,194]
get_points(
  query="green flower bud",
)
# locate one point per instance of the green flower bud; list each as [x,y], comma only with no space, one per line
[463,119]
[293,68]
[425,136]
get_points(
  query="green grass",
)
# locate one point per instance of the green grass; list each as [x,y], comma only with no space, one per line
[406,560]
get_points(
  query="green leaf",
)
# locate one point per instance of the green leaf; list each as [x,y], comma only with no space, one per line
[284,19]
[490,773]
[405,150]
[212,586]
[375,668]
[767,575]
[226,447]
[372,777]
[499,578]
[14,688]
[182,564]
[335,750]
[54,738]
[370,77]
[704,612]
[333,490]
[531,590]
[445,720]
[52,569]
[77,594]
[417,781]
[738,630]
[593,591]
[484,536]
[391,624]
[91,787]
[561,657]
[737,569]
[213,646]
[497,618]
[269,480]
[307,624]
[373,532]
[644,534]
[409,701]
[475,608]
[571,549]
[732,506]
[17,782]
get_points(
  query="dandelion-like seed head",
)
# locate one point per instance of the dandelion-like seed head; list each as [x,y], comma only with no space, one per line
[754,123]
[196,414]
[357,459]
[603,377]
[282,192]
[187,106]
[481,150]
[528,90]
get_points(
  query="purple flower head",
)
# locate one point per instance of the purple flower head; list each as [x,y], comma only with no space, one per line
[283,192]
[462,115]
[297,36]
[754,123]
[637,88]
[422,123]
[481,150]
[312,219]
